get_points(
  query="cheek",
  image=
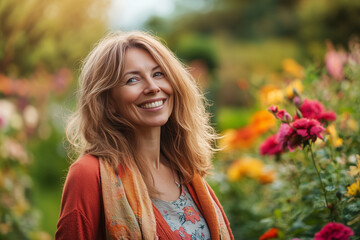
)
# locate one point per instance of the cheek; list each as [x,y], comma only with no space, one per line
[167,88]
[126,96]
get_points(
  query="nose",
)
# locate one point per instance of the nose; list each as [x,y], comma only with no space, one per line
[151,87]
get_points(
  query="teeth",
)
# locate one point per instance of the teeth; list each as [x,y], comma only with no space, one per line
[152,105]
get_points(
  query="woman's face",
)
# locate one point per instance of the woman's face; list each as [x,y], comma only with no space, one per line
[144,97]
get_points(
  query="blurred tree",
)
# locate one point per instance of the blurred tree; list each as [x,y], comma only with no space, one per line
[50,34]
[305,21]
[41,41]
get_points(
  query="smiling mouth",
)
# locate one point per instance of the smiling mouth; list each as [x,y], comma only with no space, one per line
[152,104]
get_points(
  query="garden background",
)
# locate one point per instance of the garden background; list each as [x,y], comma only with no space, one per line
[301,56]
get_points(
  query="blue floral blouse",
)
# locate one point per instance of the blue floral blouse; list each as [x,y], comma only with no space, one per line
[183,217]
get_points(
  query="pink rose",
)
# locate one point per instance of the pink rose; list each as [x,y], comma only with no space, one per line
[301,130]
[271,146]
[315,109]
[334,231]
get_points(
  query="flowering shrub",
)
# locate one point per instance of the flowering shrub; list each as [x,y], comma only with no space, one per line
[20,121]
[314,150]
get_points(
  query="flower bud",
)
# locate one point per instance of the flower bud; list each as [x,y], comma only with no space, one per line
[273,109]
[297,101]
[298,113]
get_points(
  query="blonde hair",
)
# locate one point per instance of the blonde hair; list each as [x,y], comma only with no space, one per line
[187,139]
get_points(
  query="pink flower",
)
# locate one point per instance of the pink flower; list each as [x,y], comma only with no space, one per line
[297,102]
[284,116]
[315,109]
[334,231]
[335,63]
[273,109]
[271,146]
[301,130]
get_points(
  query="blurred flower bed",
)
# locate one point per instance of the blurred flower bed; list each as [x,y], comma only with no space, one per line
[22,120]
[293,172]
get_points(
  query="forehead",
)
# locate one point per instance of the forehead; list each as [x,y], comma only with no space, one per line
[138,59]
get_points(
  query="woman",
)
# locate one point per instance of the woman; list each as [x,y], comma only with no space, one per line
[145,145]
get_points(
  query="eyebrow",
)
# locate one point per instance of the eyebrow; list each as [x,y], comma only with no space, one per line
[138,72]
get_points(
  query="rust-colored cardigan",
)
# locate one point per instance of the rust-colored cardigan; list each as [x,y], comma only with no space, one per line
[82,212]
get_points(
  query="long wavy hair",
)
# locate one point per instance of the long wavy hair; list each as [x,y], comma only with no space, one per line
[187,139]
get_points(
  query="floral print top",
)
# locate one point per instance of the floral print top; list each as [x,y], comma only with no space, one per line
[183,217]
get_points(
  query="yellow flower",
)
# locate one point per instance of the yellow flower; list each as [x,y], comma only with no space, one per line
[249,167]
[297,85]
[333,136]
[354,190]
[355,170]
[292,67]
[270,95]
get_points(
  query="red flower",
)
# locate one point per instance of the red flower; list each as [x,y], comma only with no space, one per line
[301,130]
[272,233]
[314,109]
[271,146]
[191,214]
[182,235]
[334,231]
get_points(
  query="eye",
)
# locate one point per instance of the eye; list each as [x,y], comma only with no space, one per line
[131,80]
[158,74]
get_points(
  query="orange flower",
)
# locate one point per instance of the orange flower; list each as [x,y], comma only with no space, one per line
[191,214]
[5,85]
[262,121]
[272,233]
[267,177]
[241,138]
[245,137]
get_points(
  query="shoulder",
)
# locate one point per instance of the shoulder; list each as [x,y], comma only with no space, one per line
[85,165]
[83,175]
[85,168]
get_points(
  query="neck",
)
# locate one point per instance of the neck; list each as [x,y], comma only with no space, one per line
[148,146]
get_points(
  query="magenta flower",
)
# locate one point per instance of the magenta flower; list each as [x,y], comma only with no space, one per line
[284,116]
[334,231]
[273,109]
[300,131]
[271,146]
[314,109]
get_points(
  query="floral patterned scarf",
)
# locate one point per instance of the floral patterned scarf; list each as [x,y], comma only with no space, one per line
[130,214]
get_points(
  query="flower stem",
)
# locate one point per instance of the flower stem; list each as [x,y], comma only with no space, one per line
[318,173]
